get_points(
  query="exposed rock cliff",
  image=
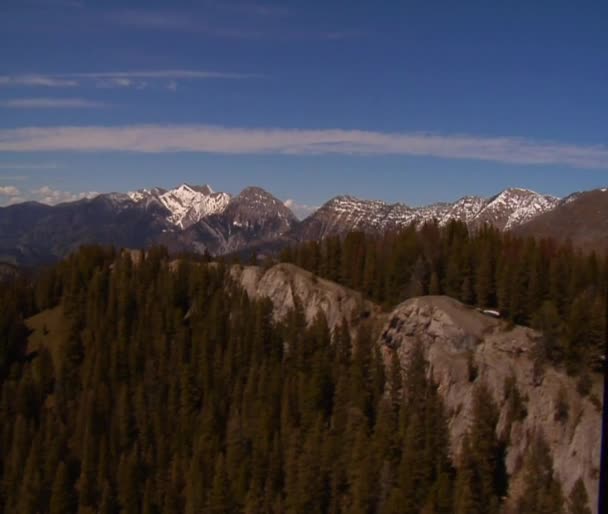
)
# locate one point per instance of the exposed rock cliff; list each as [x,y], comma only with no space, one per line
[284,283]
[457,338]
[464,348]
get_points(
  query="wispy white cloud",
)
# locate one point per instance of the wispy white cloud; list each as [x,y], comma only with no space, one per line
[230,20]
[12,200]
[301,210]
[217,139]
[184,21]
[37,80]
[52,196]
[138,79]
[10,195]
[9,191]
[163,74]
[51,103]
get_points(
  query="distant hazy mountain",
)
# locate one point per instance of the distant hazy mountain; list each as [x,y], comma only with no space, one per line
[196,218]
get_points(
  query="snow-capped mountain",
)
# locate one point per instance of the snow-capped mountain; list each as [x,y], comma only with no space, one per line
[513,207]
[197,219]
[186,205]
[253,216]
[581,218]
[505,211]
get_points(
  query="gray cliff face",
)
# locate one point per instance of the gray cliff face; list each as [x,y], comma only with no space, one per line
[284,283]
[455,338]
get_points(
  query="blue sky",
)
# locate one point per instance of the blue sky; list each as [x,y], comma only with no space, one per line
[402,101]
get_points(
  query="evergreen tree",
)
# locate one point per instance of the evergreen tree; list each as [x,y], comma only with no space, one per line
[542,493]
[62,494]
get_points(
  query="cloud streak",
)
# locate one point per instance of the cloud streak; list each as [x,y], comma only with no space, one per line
[201,22]
[301,210]
[51,103]
[52,196]
[132,78]
[223,140]
[37,80]
[9,191]
[10,195]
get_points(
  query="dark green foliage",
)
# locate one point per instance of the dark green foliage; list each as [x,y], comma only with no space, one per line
[174,393]
[516,405]
[62,494]
[542,493]
[552,288]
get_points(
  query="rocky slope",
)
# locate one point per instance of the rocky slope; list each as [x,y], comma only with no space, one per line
[187,218]
[285,284]
[253,216]
[33,234]
[453,334]
[505,211]
[185,205]
[457,339]
[512,208]
[197,219]
[581,218]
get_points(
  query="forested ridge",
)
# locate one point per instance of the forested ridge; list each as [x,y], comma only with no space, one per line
[550,286]
[169,391]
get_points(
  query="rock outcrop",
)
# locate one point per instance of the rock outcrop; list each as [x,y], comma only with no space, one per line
[284,284]
[464,348]
[455,339]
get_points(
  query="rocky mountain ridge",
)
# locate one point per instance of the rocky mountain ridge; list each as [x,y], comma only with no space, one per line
[581,218]
[456,339]
[507,210]
[186,204]
[198,219]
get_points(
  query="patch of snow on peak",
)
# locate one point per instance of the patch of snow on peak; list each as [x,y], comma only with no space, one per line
[189,204]
[515,206]
[145,194]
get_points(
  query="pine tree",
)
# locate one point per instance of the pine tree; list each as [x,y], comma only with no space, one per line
[220,501]
[542,493]
[483,279]
[466,493]
[62,495]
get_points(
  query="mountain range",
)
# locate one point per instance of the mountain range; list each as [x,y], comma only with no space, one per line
[198,219]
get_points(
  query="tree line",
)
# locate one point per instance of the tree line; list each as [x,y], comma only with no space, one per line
[543,284]
[170,391]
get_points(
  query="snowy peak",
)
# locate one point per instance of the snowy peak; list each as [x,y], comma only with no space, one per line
[146,194]
[507,210]
[186,204]
[466,209]
[345,213]
[513,207]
